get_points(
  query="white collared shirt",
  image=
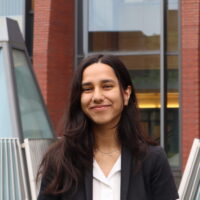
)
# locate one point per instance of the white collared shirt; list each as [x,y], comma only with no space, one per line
[107,187]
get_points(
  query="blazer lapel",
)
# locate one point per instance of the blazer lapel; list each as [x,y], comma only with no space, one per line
[125,172]
[88,184]
[125,176]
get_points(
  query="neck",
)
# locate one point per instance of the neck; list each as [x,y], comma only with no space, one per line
[106,139]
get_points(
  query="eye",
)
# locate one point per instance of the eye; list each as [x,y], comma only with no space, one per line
[108,86]
[86,89]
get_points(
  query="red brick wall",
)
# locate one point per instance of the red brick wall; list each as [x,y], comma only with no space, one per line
[53,53]
[190,27]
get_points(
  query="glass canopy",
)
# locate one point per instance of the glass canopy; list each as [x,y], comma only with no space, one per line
[22,109]
[33,118]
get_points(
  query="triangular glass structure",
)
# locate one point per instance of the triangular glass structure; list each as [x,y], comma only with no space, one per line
[22,109]
[22,116]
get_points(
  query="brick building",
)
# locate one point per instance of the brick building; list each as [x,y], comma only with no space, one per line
[157,40]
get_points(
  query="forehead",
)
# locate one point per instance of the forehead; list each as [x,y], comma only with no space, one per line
[97,72]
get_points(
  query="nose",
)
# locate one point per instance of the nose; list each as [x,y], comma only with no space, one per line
[98,96]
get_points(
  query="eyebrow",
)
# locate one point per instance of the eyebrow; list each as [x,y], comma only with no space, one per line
[103,81]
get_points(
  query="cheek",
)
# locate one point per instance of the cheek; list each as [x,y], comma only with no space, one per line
[84,101]
[118,98]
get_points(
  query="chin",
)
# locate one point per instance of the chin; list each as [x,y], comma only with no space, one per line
[99,122]
[105,123]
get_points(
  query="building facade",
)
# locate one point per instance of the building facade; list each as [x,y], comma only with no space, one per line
[158,41]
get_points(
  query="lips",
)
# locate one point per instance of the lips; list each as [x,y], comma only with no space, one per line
[99,107]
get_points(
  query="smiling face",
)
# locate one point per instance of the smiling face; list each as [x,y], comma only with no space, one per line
[101,99]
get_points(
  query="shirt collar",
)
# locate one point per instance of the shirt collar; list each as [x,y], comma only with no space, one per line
[98,173]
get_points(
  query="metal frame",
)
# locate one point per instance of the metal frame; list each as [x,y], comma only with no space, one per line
[85,27]
[163,71]
[133,53]
[78,32]
[177,53]
[180,80]
[24,18]
[29,14]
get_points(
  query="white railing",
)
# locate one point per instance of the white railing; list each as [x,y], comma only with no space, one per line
[35,150]
[13,184]
[189,186]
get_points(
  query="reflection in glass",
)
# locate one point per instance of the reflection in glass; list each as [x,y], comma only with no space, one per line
[32,4]
[34,119]
[172,82]
[124,25]
[172,25]
[151,123]
[172,139]
[5,112]
[145,74]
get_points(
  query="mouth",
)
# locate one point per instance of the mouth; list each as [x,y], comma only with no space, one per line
[100,107]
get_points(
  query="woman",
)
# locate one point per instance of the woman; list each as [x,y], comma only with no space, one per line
[103,154]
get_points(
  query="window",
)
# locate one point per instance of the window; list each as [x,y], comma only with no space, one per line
[144,35]
[111,29]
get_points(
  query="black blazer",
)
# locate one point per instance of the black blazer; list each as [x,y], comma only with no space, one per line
[153,181]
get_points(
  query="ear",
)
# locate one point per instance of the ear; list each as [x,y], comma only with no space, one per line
[127,94]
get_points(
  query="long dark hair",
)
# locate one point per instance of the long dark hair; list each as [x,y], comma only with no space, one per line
[66,161]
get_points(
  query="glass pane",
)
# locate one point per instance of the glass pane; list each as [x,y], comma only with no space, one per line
[198,192]
[130,25]
[145,73]
[172,139]
[5,112]
[151,122]
[172,25]
[32,4]
[34,119]
[172,82]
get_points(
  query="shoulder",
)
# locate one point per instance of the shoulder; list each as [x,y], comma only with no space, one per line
[155,150]
[155,153]
[158,174]
[155,158]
